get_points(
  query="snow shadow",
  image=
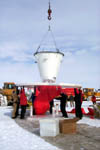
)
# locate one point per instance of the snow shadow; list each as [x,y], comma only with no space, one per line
[8,114]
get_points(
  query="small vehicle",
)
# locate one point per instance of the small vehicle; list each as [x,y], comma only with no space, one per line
[7,91]
[89,92]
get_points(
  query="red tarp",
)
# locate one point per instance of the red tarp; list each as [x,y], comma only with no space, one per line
[45,95]
[90,113]
[73,111]
[68,91]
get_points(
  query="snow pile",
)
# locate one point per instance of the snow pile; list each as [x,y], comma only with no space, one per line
[85,105]
[89,121]
[3,100]
[13,137]
[86,120]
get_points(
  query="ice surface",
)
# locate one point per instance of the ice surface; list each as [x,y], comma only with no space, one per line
[13,137]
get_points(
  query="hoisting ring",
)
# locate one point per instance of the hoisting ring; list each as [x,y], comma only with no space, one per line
[49,17]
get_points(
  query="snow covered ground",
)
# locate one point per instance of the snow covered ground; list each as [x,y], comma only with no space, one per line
[13,137]
[89,121]
[84,120]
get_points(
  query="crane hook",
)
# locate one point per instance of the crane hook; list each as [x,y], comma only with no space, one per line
[49,12]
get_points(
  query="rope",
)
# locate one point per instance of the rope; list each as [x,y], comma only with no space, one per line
[44,37]
[49,30]
[42,41]
[54,41]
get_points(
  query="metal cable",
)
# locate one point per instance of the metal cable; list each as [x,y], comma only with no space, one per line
[49,31]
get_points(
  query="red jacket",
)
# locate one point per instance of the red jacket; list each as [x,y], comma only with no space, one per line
[93,99]
[23,98]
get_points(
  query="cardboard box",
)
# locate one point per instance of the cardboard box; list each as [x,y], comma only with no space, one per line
[68,126]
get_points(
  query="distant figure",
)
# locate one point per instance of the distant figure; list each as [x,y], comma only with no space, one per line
[33,96]
[63,98]
[18,102]
[15,101]
[71,99]
[51,106]
[67,98]
[93,99]
[78,103]
[23,103]
[96,107]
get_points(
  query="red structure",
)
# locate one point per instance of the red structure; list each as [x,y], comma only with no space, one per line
[45,94]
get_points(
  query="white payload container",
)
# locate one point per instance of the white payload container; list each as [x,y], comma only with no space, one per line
[48,64]
[49,127]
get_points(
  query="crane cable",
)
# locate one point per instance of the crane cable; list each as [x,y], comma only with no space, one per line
[45,36]
[49,30]
[53,39]
[49,11]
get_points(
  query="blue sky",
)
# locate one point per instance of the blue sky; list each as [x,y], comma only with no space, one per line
[76,27]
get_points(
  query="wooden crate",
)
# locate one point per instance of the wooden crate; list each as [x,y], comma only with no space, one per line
[68,126]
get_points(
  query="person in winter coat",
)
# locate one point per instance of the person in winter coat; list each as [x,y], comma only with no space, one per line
[51,106]
[78,103]
[93,99]
[33,96]
[18,102]
[63,98]
[15,101]
[71,99]
[23,103]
